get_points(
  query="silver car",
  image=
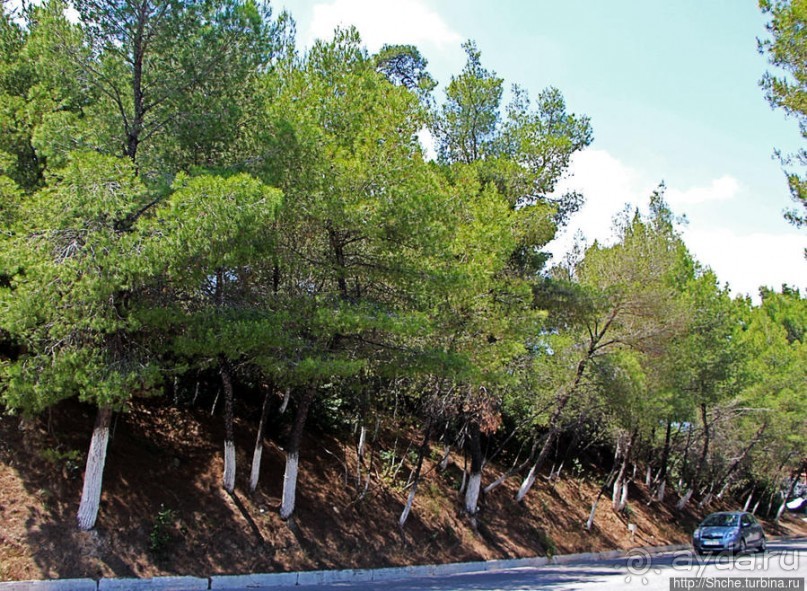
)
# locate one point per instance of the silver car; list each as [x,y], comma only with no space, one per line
[734,531]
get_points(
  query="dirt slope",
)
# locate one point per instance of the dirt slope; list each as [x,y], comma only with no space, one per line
[163,511]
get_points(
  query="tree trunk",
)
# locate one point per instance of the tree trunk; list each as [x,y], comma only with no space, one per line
[443,465]
[593,512]
[94,471]
[293,454]
[229,436]
[603,489]
[135,127]
[662,487]
[551,437]
[682,502]
[360,448]
[724,482]
[748,500]
[475,479]
[685,460]
[554,421]
[255,474]
[693,486]
[621,482]
[516,467]
[707,437]
[661,475]
[414,480]
[624,498]
[285,404]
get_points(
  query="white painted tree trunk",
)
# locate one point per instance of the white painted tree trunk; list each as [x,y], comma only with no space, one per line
[661,489]
[257,454]
[781,510]
[620,495]
[748,501]
[362,441]
[255,473]
[617,488]
[706,500]
[414,478]
[229,466]
[624,498]
[408,507]
[496,483]
[648,477]
[360,453]
[590,521]
[228,478]
[526,485]
[94,471]
[684,500]
[472,493]
[289,485]
[286,398]
[444,460]
[724,489]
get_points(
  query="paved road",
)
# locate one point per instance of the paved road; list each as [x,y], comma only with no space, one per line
[639,571]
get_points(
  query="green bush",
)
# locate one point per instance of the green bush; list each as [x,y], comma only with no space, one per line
[160,535]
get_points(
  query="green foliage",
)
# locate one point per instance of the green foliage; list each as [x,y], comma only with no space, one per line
[160,534]
[68,461]
[787,50]
[70,275]
[470,115]
[546,542]
[403,65]
[628,511]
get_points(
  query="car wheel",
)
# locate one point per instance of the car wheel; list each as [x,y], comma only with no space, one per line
[763,545]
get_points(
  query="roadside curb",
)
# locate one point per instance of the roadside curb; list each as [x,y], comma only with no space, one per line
[322,577]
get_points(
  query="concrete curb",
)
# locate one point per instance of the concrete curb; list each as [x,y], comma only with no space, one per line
[323,577]
[161,583]
[52,585]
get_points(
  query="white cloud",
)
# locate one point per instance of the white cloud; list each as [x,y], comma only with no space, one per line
[744,260]
[748,261]
[608,185]
[723,189]
[399,22]
[428,143]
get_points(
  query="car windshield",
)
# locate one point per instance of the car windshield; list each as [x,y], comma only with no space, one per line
[721,520]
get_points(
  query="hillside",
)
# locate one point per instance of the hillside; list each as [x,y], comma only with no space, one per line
[164,512]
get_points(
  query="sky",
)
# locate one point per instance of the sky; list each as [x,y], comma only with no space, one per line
[672,92]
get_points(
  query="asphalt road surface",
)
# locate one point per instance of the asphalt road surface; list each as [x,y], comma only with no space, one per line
[783,560]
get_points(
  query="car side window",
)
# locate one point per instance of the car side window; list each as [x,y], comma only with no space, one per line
[746,521]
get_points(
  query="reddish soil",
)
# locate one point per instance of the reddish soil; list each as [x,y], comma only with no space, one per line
[166,462]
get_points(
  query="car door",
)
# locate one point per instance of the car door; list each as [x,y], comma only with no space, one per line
[747,530]
[751,530]
[757,527]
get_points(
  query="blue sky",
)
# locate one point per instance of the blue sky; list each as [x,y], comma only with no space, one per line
[672,92]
